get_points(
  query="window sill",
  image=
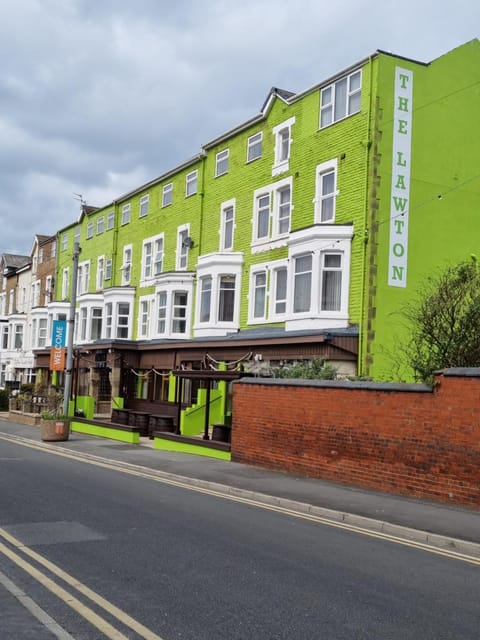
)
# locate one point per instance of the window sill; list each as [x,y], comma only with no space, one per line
[278,169]
[269,244]
[217,329]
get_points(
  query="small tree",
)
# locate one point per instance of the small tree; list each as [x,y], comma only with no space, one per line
[444,322]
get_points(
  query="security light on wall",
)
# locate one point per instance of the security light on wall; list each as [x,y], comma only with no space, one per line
[188,242]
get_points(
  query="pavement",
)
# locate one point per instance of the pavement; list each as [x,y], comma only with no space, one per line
[445,526]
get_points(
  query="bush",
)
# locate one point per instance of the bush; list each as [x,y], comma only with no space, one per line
[311,370]
[27,388]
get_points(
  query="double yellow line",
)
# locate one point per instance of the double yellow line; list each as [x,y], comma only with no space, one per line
[177,481]
[107,629]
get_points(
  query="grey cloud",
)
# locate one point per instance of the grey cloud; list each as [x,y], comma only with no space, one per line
[98,96]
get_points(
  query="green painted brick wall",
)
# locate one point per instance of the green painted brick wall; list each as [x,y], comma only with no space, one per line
[347,141]
[310,147]
[445,162]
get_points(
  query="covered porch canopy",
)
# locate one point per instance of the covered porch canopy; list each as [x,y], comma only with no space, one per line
[207,376]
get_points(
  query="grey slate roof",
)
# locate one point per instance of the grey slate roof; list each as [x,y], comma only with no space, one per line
[14,261]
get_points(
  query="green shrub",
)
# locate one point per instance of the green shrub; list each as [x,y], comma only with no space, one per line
[311,370]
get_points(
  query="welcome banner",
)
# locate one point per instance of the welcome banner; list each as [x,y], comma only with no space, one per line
[57,352]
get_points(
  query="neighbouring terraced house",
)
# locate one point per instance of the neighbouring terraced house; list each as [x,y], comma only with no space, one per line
[297,235]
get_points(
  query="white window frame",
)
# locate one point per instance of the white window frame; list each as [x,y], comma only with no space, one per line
[145,309]
[100,272]
[18,336]
[330,98]
[316,242]
[65,282]
[205,293]
[168,286]
[123,320]
[269,270]
[42,332]
[217,266]
[254,143]
[5,335]
[147,260]
[126,211]
[48,289]
[191,183]
[83,277]
[108,269]
[110,220]
[328,270]
[273,238]
[222,161]
[320,210]
[82,324]
[100,225]
[152,257]
[144,206]
[182,250]
[64,241]
[127,261]
[283,142]
[98,319]
[108,324]
[36,293]
[167,194]
[115,322]
[227,208]
[89,231]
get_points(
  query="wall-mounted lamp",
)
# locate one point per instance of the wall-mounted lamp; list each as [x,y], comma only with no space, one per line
[188,242]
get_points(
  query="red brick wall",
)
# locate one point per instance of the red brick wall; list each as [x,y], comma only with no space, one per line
[404,439]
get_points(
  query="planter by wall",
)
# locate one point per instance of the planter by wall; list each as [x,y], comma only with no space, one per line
[221,432]
[54,430]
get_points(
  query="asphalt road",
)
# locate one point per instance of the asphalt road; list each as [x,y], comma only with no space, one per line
[91,550]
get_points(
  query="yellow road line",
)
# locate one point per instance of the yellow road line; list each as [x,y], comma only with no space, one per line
[102,625]
[33,608]
[151,475]
[110,608]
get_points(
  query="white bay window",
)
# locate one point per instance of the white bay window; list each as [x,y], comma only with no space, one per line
[310,289]
[218,294]
[173,305]
[118,312]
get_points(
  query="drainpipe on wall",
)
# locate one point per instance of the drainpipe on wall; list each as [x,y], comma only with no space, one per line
[364,308]
[203,156]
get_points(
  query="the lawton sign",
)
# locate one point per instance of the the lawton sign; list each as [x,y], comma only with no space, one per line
[57,352]
[400,194]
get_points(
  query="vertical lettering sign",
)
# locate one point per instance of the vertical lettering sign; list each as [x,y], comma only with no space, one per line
[57,352]
[400,195]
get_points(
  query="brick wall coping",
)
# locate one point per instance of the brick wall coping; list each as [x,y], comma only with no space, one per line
[461,372]
[340,384]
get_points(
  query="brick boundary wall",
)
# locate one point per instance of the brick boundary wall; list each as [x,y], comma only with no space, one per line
[406,439]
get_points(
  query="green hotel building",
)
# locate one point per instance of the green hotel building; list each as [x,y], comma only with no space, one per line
[299,234]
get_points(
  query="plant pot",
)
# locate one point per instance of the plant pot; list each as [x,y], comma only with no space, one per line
[54,430]
[221,432]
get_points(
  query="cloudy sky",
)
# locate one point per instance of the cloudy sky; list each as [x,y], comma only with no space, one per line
[100,96]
